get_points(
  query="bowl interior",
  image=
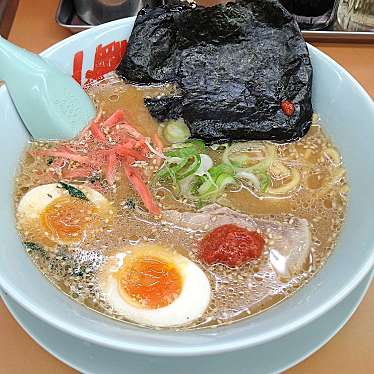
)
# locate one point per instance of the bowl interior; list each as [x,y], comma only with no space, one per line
[347,113]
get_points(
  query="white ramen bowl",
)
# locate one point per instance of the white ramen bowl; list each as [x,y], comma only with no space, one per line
[347,114]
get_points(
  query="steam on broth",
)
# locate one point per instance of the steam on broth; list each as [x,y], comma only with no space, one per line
[303,192]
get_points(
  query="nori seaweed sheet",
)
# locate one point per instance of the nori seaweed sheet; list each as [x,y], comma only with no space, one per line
[234,64]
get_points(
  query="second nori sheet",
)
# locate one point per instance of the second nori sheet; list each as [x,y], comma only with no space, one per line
[234,64]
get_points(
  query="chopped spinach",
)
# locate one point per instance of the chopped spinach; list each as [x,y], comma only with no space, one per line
[130,203]
[73,191]
[33,246]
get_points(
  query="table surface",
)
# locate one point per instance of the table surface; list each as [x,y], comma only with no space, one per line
[348,352]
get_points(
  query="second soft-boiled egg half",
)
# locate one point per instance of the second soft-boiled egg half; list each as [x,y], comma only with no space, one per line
[155,286]
[60,213]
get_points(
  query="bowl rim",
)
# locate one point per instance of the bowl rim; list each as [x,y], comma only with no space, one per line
[186,350]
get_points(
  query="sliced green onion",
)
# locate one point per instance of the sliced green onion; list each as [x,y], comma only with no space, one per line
[187,186]
[191,169]
[215,147]
[165,173]
[198,144]
[207,186]
[174,179]
[180,165]
[176,131]
[211,195]
[265,182]
[194,174]
[285,188]
[224,180]
[236,155]
[206,164]
[250,177]
[217,170]
[216,190]
[182,152]
[239,159]
[260,167]
[241,148]
[174,160]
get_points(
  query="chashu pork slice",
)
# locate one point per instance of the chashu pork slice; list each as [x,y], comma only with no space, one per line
[288,239]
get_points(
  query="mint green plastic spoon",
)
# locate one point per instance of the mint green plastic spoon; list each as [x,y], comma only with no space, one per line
[51,104]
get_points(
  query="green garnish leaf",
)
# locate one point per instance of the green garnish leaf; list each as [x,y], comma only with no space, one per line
[73,191]
[49,161]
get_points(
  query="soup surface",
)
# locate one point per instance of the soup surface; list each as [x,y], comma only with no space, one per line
[298,208]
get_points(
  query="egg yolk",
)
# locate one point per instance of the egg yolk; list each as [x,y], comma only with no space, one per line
[150,281]
[67,218]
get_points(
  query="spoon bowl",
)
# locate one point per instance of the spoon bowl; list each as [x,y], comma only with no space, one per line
[52,104]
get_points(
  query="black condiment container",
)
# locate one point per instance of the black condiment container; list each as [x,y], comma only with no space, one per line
[312,14]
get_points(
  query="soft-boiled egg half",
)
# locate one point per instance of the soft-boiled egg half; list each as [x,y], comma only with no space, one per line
[155,286]
[60,213]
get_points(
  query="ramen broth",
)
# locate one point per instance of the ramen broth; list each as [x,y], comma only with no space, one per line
[320,197]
